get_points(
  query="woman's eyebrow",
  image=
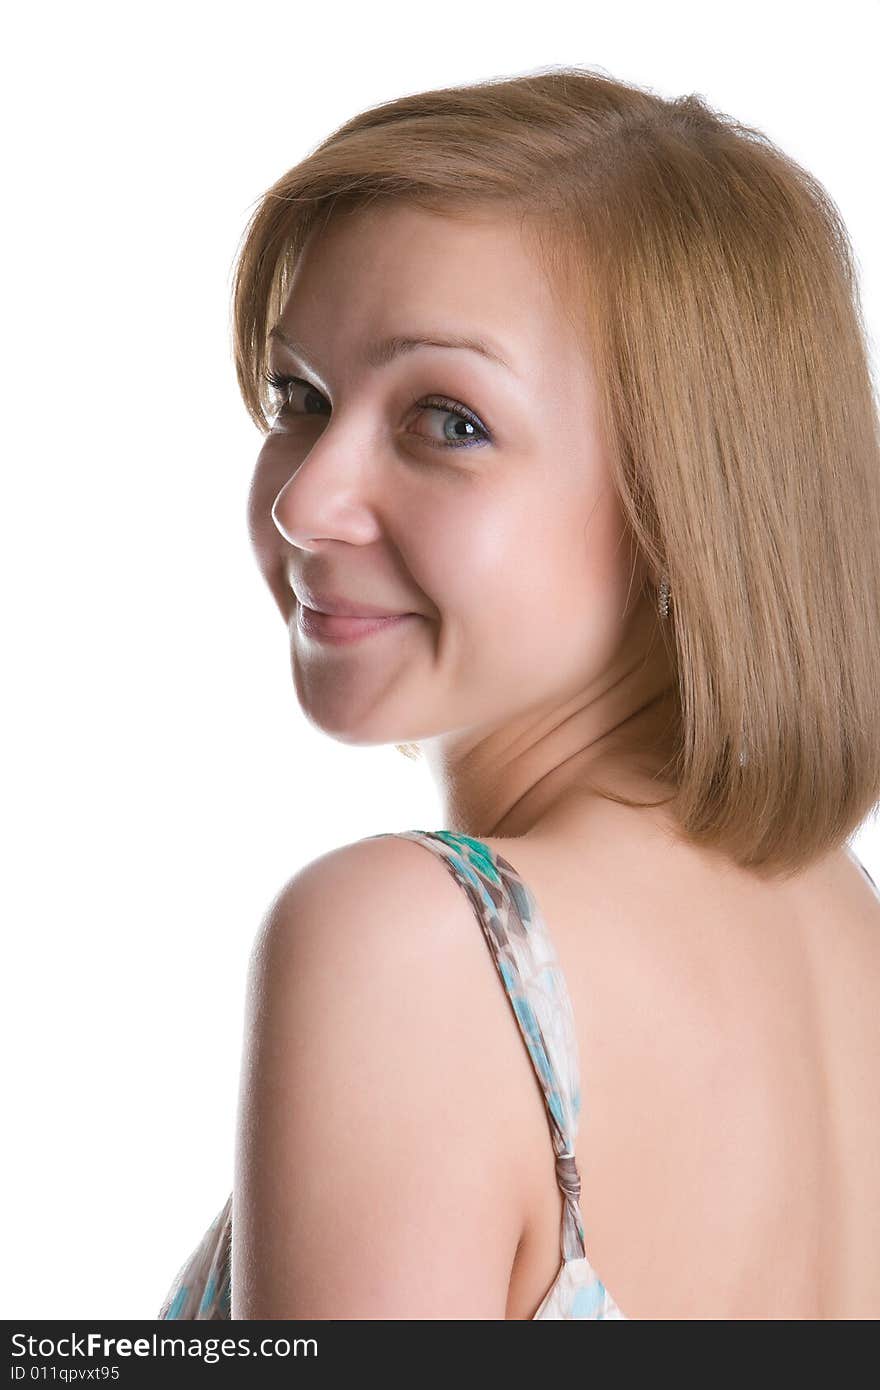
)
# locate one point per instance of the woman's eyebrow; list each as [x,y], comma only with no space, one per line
[385,350]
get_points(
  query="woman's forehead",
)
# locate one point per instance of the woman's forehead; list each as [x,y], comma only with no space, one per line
[404,273]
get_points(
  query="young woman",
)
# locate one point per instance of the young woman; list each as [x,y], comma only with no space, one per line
[568,485]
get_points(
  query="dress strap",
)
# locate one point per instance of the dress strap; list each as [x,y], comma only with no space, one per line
[532,975]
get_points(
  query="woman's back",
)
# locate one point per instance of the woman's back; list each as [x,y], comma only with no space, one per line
[705,1049]
[729,1037]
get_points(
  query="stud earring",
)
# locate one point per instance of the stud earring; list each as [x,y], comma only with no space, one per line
[663,602]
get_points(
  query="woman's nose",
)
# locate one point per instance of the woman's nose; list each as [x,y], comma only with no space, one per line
[331,496]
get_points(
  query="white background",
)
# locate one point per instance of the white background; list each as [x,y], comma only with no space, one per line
[160,782]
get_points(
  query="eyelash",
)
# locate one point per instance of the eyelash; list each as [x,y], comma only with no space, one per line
[281,382]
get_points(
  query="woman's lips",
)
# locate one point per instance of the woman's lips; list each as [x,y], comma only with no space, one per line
[332,627]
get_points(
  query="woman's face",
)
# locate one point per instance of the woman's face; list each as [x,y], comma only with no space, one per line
[437,482]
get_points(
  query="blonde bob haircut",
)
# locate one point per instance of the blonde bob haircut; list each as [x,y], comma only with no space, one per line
[716,290]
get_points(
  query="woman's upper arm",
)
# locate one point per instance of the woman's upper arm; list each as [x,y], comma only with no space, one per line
[369,1177]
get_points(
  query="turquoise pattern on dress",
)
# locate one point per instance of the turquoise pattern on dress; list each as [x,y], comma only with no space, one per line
[533,980]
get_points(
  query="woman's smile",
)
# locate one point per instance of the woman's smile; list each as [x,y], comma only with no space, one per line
[331,627]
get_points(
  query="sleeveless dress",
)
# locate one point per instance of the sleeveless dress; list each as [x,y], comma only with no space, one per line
[530,971]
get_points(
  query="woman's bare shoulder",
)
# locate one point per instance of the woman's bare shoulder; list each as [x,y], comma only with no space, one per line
[374,1042]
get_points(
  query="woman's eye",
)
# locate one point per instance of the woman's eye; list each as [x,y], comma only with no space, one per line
[457,426]
[284,385]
